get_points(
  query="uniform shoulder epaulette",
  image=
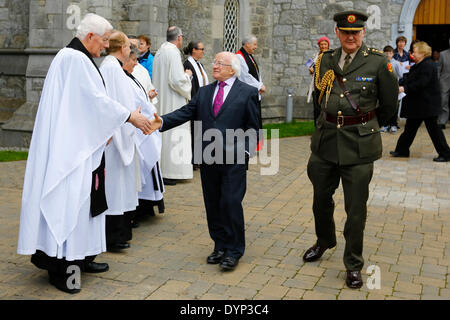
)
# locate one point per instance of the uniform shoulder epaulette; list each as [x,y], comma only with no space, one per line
[375,51]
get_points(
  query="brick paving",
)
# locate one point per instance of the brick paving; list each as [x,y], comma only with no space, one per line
[407,236]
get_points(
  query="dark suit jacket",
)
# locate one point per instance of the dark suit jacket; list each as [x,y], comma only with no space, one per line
[239,111]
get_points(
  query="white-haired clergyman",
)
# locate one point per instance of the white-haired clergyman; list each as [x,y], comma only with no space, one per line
[62,224]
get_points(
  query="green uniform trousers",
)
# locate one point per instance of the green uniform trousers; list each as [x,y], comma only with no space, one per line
[325,177]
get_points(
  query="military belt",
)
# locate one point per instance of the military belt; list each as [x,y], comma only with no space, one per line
[341,120]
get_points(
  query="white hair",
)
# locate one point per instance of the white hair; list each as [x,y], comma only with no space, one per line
[248,39]
[93,23]
[236,65]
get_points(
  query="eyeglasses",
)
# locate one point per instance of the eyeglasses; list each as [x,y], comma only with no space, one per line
[220,64]
[203,49]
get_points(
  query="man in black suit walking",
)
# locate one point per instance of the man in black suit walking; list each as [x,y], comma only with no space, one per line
[227,110]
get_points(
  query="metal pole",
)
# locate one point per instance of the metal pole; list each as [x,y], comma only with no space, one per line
[289,106]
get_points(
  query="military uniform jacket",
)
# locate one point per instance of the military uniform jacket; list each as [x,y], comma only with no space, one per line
[373,85]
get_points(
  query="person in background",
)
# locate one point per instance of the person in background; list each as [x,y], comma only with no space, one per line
[251,74]
[195,51]
[422,103]
[392,124]
[142,75]
[324,45]
[435,57]
[444,79]
[174,86]
[146,58]
[400,53]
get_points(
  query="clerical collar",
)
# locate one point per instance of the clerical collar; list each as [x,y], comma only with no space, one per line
[76,44]
[120,62]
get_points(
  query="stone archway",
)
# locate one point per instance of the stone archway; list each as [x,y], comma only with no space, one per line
[405,24]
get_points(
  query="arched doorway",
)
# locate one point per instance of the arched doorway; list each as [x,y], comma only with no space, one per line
[432,23]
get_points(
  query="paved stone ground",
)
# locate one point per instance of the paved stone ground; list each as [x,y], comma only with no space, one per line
[407,237]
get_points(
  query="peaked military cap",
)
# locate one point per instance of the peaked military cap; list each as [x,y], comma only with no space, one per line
[351,20]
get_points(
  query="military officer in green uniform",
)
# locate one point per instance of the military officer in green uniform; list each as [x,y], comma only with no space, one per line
[357,92]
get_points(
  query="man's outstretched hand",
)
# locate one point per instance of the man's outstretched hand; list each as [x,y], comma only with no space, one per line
[156,123]
[138,120]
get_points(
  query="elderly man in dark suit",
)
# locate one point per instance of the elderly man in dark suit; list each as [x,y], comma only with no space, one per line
[226,109]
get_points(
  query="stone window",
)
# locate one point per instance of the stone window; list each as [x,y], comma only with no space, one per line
[231,26]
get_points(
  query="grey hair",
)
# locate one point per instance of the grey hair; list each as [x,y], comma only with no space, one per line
[134,50]
[236,65]
[248,39]
[173,33]
[93,23]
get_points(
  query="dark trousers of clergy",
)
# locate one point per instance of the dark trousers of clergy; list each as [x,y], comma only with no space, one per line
[325,177]
[118,228]
[224,188]
[58,268]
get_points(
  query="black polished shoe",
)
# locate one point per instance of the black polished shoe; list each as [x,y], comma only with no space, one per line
[354,280]
[315,252]
[169,182]
[215,257]
[60,282]
[118,246]
[94,267]
[396,154]
[441,159]
[229,263]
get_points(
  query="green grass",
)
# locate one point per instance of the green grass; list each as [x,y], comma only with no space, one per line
[293,129]
[13,156]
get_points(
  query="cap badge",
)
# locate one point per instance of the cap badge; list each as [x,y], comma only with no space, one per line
[351,18]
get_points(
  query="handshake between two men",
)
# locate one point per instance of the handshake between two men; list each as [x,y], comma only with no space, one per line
[141,122]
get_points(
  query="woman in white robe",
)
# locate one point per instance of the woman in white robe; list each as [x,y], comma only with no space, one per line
[150,146]
[122,155]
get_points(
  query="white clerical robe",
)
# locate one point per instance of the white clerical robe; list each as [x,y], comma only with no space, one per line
[174,88]
[74,121]
[150,146]
[142,75]
[122,157]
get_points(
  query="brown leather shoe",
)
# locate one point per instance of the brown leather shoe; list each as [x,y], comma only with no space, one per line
[354,280]
[314,253]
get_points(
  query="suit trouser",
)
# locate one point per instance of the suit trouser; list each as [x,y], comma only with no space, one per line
[443,117]
[325,177]
[437,136]
[224,189]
